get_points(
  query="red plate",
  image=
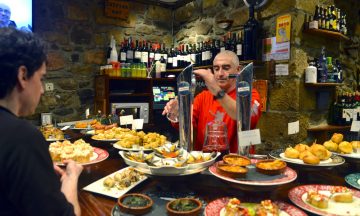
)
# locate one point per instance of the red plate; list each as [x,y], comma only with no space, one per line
[98,156]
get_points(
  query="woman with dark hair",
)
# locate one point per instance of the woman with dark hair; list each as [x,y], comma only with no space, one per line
[29,184]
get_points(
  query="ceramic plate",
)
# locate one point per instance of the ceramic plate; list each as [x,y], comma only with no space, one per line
[105,140]
[352,155]
[159,173]
[353,180]
[98,156]
[138,148]
[298,196]
[255,178]
[215,208]
[334,160]
[53,140]
[98,187]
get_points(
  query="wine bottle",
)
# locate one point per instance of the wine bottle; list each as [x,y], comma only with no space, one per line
[137,53]
[123,52]
[130,51]
[145,53]
[239,46]
[251,31]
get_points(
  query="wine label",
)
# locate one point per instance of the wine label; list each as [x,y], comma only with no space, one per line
[314,24]
[145,57]
[137,55]
[157,56]
[123,56]
[239,49]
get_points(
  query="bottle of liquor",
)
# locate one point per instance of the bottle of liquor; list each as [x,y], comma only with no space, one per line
[313,24]
[162,67]
[321,67]
[323,18]
[193,54]
[198,55]
[239,46]
[157,52]
[327,20]
[123,50]
[130,51]
[330,70]
[170,59]
[137,52]
[339,71]
[311,73]
[338,19]
[175,58]
[251,31]
[145,53]
[223,44]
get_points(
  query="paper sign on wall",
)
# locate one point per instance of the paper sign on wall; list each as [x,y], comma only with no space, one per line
[137,124]
[250,137]
[126,120]
[293,127]
[282,70]
[87,113]
[355,126]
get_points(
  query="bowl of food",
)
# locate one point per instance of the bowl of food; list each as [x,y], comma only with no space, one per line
[271,167]
[234,159]
[184,207]
[231,170]
[135,203]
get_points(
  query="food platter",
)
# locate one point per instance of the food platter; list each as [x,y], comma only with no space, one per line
[353,180]
[298,196]
[254,178]
[170,169]
[98,156]
[351,155]
[164,173]
[105,140]
[215,208]
[334,160]
[98,186]
[134,148]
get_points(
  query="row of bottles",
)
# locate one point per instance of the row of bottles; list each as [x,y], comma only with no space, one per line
[324,70]
[345,109]
[200,54]
[327,18]
[136,70]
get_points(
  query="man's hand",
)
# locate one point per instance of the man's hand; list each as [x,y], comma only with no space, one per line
[171,110]
[209,79]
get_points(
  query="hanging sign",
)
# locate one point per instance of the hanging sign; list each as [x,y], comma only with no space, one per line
[283,28]
[117,9]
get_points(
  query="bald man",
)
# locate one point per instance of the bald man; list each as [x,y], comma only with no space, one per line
[5,14]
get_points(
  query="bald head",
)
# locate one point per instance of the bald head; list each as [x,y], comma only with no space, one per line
[230,55]
[5,14]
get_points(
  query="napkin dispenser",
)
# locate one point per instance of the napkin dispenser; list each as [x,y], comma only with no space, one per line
[186,83]
[243,103]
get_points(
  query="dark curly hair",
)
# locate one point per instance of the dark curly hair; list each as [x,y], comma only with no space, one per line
[18,48]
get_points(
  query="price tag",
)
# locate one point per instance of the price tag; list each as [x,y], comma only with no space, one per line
[355,126]
[293,127]
[126,120]
[137,124]
[250,137]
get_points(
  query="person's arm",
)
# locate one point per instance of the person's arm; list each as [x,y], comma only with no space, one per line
[69,180]
[227,102]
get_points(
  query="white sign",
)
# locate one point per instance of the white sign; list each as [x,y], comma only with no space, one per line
[46,119]
[282,70]
[293,127]
[355,126]
[126,120]
[276,51]
[250,137]
[137,124]
[87,113]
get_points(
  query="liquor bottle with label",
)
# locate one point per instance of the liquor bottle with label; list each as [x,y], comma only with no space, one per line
[130,51]
[198,55]
[251,31]
[339,71]
[162,67]
[170,59]
[175,58]
[145,53]
[330,70]
[239,46]
[321,67]
[137,52]
[323,18]
[122,56]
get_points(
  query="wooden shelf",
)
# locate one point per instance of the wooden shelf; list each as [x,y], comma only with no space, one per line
[164,79]
[322,85]
[321,128]
[326,33]
[130,95]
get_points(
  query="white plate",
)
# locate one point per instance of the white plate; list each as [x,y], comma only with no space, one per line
[298,196]
[202,164]
[105,140]
[53,140]
[334,160]
[140,148]
[98,187]
[186,172]
[352,155]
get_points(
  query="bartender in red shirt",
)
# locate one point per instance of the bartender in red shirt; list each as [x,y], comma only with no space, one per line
[219,96]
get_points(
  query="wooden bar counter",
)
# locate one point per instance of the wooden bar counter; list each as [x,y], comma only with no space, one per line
[204,186]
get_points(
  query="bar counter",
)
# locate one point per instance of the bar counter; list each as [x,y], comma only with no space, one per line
[203,185]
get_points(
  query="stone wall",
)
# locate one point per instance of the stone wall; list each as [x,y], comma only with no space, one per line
[77,34]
